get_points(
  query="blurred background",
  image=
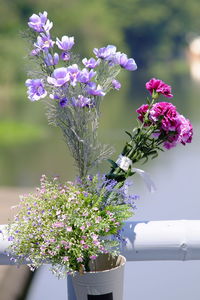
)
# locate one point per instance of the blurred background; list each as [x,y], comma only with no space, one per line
[164,39]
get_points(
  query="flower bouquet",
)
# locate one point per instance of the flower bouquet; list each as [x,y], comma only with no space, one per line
[69,224]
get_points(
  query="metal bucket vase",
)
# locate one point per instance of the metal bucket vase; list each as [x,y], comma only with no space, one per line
[103,282]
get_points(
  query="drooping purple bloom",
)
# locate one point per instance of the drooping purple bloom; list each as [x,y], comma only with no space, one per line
[91,63]
[51,60]
[66,43]
[44,42]
[125,62]
[94,89]
[85,76]
[116,84]
[36,89]
[81,101]
[73,71]
[65,56]
[105,52]
[59,77]
[40,22]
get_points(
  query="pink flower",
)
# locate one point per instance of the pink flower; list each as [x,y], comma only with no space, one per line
[166,112]
[186,130]
[79,259]
[142,111]
[69,228]
[93,257]
[58,224]
[66,258]
[158,86]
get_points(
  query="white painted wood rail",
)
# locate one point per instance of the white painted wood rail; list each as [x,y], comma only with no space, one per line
[148,240]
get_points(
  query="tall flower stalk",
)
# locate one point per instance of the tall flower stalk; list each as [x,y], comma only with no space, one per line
[75,88]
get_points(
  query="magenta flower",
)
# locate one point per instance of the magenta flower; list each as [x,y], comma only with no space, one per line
[166,112]
[185,130]
[158,86]
[91,63]
[40,23]
[105,52]
[116,84]
[142,110]
[60,76]
[95,90]
[36,89]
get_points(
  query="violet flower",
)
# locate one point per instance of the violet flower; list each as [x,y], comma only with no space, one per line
[94,89]
[81,101]
[85,76]
[40,23]
[73,71]
[116,84]
[65,56]
[125,62]
[105,52]
[60,76]
[51,60]
[44,42]
[91,63]
[66,43]
[63,102]
[36,89]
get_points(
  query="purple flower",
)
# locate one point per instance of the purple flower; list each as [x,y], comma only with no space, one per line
[125,62]
[58,225]
[94,89]
[79,259]
[51,60]
[36,89]
[85,76]
[105,52]
[116,84]
[44,42]
[63,102]
[91,63]
[60,76]
[93,257]
[66,43]
[158,86]
[35,52]
[65,56]
[81,101]
[40,23]
[73,71]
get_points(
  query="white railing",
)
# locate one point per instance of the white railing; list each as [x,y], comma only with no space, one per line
[147,240]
